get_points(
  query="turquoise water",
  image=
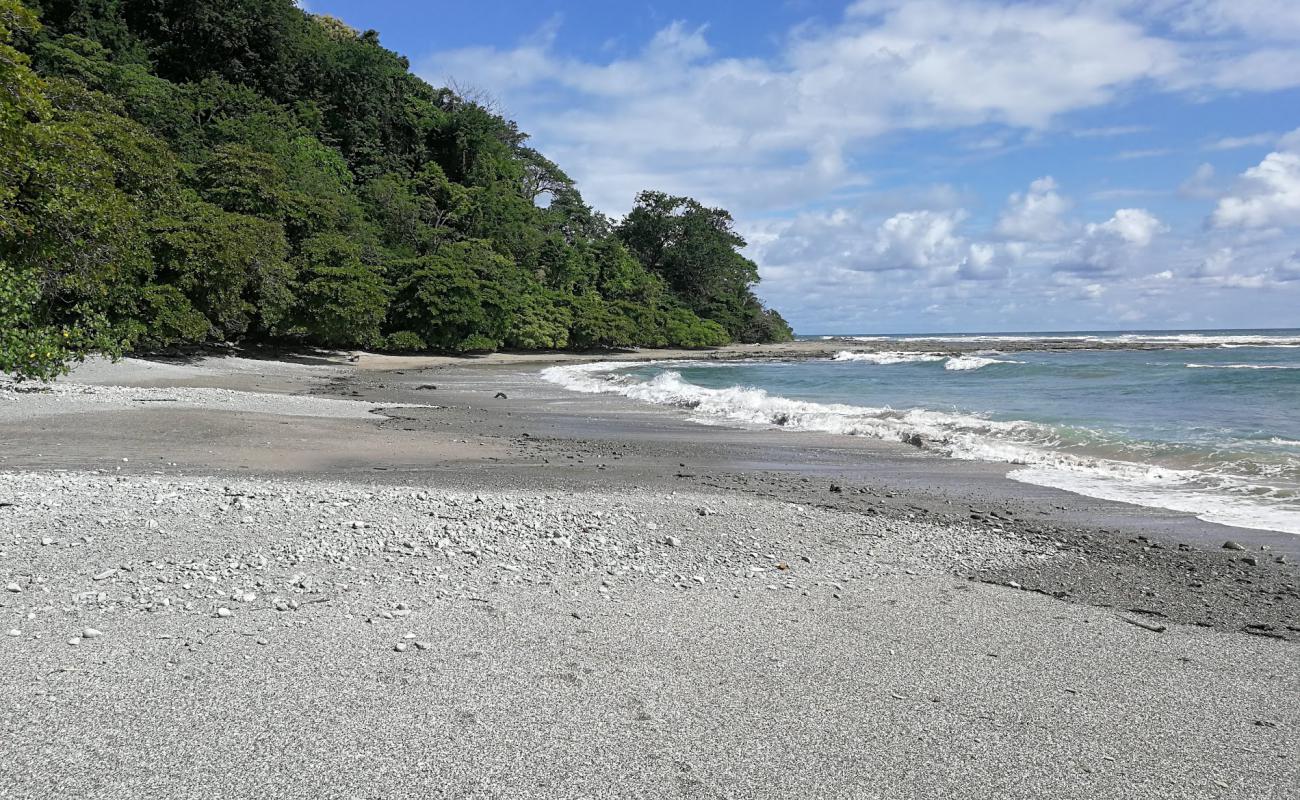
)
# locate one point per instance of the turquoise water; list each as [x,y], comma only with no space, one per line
[1213,429]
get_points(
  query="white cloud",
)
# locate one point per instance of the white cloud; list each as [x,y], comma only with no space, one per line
[1267,195]
[927,64]
[1111,247]
[1135,226]
[1277,20]
[1150,152]
[1236,142]
[1289,269]
[1215,264]
[1200,184]
[916,240]
[1036,215]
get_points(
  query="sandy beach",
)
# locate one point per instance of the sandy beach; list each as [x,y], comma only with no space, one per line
[344,575]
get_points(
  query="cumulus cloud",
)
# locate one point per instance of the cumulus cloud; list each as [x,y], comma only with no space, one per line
[1135,226]
[842,240]
[1036,215]
[1267,195]
[915,240]
[1112,246]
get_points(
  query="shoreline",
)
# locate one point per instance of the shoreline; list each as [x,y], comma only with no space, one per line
[661,595]
[522,439]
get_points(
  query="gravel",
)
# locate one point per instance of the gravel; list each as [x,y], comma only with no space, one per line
[197,637]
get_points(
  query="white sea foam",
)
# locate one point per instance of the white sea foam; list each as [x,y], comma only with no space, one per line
[1221,339]
[962,363]
[887,357]
[1226,499]
[1206,339]
[1243,366]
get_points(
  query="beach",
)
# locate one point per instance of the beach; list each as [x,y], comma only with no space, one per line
[352,575]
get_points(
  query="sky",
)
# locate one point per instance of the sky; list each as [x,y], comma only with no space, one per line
[922,165]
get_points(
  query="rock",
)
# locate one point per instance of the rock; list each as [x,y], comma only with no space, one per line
[91,633]
[1231,545]
[224,612]
[13,587]
[423,646]
[262,641]
[400,647]
[15,632]
[105,575]
[673,541]
[1251,560]
[500,396]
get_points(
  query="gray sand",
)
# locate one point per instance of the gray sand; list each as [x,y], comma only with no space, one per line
[618,604]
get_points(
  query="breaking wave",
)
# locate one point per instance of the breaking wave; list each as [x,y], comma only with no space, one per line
[1046,456]
[888,357]
[962,363]
[1243,366]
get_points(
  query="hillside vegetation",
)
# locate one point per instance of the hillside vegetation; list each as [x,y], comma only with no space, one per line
[183,172]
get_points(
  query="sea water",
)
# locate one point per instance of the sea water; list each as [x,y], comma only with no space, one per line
[1212,429]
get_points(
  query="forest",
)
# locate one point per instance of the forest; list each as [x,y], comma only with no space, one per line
[182,173]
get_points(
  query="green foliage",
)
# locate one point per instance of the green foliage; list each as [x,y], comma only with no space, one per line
[233,268]
[696,251]
[455,299]
[597,323]
[342,301]
[541,321]
[404,342]
[171,318]
[684,329]
[178,172]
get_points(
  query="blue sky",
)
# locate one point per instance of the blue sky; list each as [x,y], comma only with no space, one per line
[930,165]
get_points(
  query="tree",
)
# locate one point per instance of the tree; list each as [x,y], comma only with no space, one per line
[457,299]
[342,301]
[697,252]
[176,172]
[231,268]
[72,243]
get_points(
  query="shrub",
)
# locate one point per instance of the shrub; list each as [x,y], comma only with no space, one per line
[404,342]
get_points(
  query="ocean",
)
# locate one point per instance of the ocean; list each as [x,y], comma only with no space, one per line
[1206,422]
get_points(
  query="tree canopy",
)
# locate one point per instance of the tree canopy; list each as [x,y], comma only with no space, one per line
[182,172]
